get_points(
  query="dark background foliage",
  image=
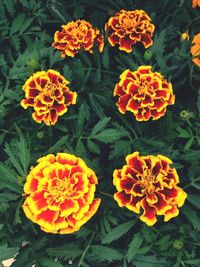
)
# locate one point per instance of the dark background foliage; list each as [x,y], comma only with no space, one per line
[97,132]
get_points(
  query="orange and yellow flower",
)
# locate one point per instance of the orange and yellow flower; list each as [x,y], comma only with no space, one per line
[195,3]
[195,49]
[59,193]
[49,95]
[144,93]
[148,183]
[129,27]
[77,35]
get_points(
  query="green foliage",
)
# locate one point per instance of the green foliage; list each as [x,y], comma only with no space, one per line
[95,130]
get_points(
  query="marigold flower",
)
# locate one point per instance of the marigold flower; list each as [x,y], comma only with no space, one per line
[185,36]
[195,3]
[129,27]
[49,95]
[195,49]
[59,193]
[144,93]
[150,184]
[77,35]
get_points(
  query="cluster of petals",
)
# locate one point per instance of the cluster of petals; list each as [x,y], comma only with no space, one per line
[195,49]
[144,93]
[49,95]
[195,3]
[59,193]
[148,183]
[126,28]
[75,36]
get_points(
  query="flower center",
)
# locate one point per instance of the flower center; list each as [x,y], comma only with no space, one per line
[128,23]
[60,190]
[49,89]
[147,181]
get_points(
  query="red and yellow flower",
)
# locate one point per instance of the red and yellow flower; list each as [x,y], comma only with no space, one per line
[195,3]
[195,49]
[59,193]
[77,35]
[144,93]
[126,28]
[49,95]
[148,183]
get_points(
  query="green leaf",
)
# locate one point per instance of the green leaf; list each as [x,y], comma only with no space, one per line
[47,262]
[150,261]
[17,23]
[193,262]
[100,126]
[103,253]
[109,136]
[6,253]
[134,246]
[118,231]
[194,200]
[66,251]
[105,58]
[192,217]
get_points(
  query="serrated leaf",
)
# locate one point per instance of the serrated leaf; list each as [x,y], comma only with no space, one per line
[94,148]
[17,23]
[103,253]
[47,262]
[67,251]
[100,126]
[6,253]
[192,217]
[134,246]
[118,231]
[109,136]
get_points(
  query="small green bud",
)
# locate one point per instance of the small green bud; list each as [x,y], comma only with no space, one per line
[185,115]
[148,54]
[40,135]
[33,63]
[178,244]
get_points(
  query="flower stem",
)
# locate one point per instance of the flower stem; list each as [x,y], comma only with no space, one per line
[86,249]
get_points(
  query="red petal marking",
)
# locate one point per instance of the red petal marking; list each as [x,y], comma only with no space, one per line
[89,44]
[161,204]
[131,171]
[122,197]
[169,193]
[173,212]
[158,104]
[126,43]
[126,184]
[133,105]
[157,168]
[162,93]
[118,90]
[33,185]
[32,84]
[149,213]
[122,102]
[33,92]
[146,113]
[68,97]
[60,108]
[37,117]
[76,169]
[132,88]
[156,115]
[28,101]
[134,200]
[113,39]
[146,40]
[40,200]
[47,216]
[137,189]
[155,85]
[80,183]
[136,163]
[147,101]
[114,23]
[135,36]
[47,99]
[53,116]
[67,204]
[43,82]
[53,77]
[93,179]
